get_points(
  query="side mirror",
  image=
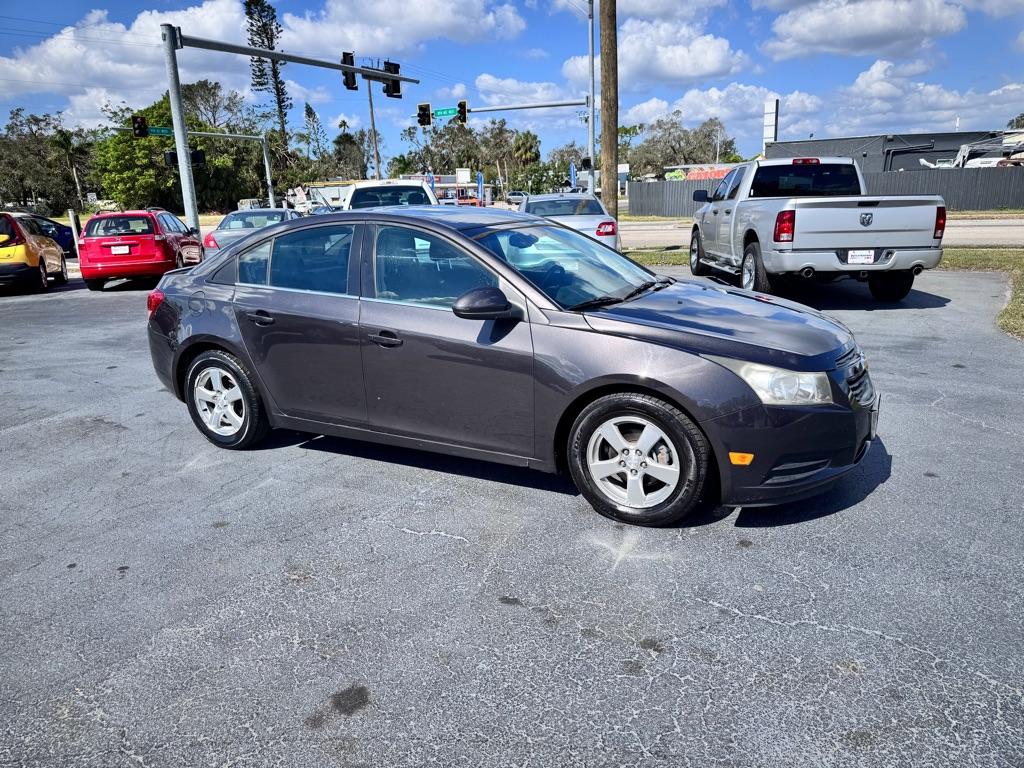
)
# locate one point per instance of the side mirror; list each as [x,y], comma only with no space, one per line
[700,196]
[487,303]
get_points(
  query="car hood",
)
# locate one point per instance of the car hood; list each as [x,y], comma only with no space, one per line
[711,319]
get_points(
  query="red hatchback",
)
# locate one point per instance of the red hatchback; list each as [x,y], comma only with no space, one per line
[135,244]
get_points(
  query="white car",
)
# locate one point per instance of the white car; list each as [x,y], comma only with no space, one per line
[582,212]
[384,193]
[515,198]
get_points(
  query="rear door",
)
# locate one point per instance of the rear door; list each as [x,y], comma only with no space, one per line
[39,243]
[297,307]
[428,373]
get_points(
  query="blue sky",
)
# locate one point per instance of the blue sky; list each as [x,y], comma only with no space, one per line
[840,67]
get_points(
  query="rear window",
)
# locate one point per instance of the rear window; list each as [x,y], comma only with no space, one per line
[251,219]
[826,179]
[569,207]
[119,225]
[374,197]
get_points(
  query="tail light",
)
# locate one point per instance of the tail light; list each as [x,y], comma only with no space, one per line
[785,225]
[154,300]
[806,161]
[210,241]
[606,228]
[940,222]
[18,238]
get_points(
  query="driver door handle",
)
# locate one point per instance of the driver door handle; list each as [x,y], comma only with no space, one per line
[260,317]
[386,339]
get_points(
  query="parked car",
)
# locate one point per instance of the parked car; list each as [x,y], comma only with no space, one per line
[241,223]
[810,216]
[501,336]
[320,210]
[28,257]
[62,234]
[143,243]
[583,212]
[515,198]
[386,193]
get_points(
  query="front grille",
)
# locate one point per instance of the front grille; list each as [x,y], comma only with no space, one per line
[859,386]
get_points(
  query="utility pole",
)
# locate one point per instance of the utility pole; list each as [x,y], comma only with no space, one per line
[169,34]
[609,109]
[373,131]
[590,123]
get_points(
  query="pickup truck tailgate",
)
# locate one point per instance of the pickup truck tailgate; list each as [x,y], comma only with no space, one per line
[865,222]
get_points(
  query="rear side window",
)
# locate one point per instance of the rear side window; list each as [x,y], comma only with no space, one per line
[30,226]
[573,206]
[826,179]
[107,226]
[252,265]
[374,197]
[312,259]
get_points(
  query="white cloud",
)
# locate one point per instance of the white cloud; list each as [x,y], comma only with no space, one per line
[645,112]
[682,10]
[859,27]
[353,121]
[1020,41]
[535,53]
[995,7]
[496,90]
[301,93]
[457,91]
[395,26]
[663,52]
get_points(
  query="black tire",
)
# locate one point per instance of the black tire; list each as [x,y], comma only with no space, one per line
[689,441]
[95,283]
[697,266]
[61,278]
[890,286]
[42,281]
[761,282]
[255,424]
[180,261]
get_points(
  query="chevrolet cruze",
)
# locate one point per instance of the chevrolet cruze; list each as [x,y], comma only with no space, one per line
[505,337]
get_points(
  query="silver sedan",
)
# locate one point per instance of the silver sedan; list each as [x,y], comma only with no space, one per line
[582,212]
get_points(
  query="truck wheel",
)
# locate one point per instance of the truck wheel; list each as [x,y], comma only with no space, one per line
[752,274]
[890,286]
[697,266]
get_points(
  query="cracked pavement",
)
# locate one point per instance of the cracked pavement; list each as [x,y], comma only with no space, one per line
[326,602]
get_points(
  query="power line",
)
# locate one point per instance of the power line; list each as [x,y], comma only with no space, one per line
[47,36]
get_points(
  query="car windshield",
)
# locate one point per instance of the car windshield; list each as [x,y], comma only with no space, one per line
[569,268]
[106,226]
[376,197]
[250,219]
[806,180]
[570,206]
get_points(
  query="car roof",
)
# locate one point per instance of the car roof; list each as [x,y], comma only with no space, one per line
[130,213]
[447,216]
[388,183]
[258,210]
[820,158]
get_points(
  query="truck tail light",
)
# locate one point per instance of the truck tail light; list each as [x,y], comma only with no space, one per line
[154,300]
[210,241]
[940,222]
[606,228]
[785,225]
[806,161]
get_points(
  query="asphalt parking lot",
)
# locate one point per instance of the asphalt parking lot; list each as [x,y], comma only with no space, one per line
[325,602]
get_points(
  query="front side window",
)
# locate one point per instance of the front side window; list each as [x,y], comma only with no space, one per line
[422,268]
[723,188]
[737,181]
[252,264]
[569,268]
[314,259]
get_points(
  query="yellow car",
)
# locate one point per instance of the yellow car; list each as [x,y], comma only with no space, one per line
[27,256]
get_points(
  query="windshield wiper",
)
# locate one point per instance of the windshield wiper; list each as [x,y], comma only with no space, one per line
[645,286]
[600,301]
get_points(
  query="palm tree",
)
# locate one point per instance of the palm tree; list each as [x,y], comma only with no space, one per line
[72,154]
[302,138]
[526,149]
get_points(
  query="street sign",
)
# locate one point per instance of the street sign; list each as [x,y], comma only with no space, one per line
[446,112]
[572,174]
[91,198]
[160,131]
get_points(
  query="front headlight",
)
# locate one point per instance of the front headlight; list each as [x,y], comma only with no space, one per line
[777,386]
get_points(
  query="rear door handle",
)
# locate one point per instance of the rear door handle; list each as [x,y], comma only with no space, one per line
[260,317]
[386,339]
[728,211]
[714,211]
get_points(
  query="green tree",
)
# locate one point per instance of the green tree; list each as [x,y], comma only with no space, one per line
[73,154]
[352,153]
[526,149]
[264,31]
[33,169]
[210,104]
[1016,123]
[315,131]
[560,157]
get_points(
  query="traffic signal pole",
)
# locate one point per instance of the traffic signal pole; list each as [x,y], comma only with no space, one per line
[169,34]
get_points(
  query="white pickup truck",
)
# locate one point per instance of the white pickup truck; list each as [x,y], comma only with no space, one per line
[809,216]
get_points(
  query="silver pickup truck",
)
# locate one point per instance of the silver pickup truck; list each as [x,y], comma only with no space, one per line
[809,217]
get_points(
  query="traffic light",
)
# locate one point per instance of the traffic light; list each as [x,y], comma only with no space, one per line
[423,115]
[392,88]
[584,163]
[349,78]
[140,127]
[463,112]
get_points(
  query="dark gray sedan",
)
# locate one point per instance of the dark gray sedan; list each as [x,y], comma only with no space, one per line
[505,337]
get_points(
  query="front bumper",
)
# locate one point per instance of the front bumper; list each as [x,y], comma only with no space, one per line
[17,273]
[886,259]
[798,451]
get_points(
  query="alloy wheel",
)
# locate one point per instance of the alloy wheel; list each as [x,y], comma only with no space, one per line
[220,401]
[44,282]
[747,278]
[694,250]
[633,462]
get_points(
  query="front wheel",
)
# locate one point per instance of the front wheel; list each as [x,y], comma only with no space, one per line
[42,279]
[638,459]
[890,286]
[697,265]
[223,401]
[752,273]
[61,277]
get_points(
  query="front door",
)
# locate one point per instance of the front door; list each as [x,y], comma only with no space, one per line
[299,320]
[428,373]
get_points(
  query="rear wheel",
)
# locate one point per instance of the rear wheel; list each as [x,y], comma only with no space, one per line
[223,401]
[697,266]
[95,283]
[752,274]
[890,286]
[638,459]
[61,278]
[180,261]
